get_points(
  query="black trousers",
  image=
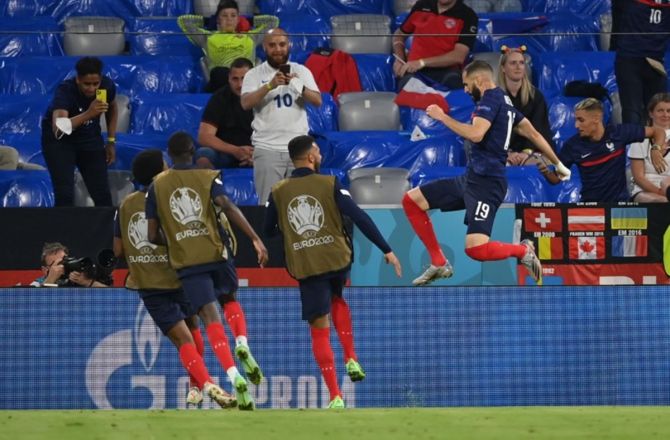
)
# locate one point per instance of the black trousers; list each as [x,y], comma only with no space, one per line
[637,82]
[61,159]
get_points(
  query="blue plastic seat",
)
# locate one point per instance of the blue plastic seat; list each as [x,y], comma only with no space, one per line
[238,184]
[17,37]
[155,113]
[159,36]
[21,115]
[526,185]
[323,8]
[25,188]
[375,72]
[324,118]
[554,70]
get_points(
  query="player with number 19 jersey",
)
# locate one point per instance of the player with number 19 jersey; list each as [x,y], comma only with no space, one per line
[488,157]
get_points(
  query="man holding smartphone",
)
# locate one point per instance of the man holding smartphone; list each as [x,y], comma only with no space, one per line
[277,91]
[71,133]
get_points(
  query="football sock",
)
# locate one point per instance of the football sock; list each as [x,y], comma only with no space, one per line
[219,343]
[423,227]
[495,250]
[342,321]
[200,347]
[325,359]
[235,318]
[193,364]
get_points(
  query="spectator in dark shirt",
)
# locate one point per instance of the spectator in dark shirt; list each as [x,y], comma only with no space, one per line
[599,153]
[444,34]
[513,79]
[79,104]
[225,130]
[640,38]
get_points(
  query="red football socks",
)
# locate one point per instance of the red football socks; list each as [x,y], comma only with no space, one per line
[232,310]
[325,359]
[495,250]
[219,343]
[194,364]
[342,320]
[423,227]
[200,347]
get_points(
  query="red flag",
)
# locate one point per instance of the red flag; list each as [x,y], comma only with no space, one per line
[417,94]
[542,220]
[586,219]
[587,248]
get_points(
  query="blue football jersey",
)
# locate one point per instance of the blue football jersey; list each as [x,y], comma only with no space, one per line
[644,25]
[489,156]
[602,164]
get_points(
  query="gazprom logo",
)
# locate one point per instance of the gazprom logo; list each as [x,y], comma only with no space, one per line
[305,214]
[115,351]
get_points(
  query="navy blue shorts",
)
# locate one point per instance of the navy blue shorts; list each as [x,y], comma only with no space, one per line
[480,196]
[166,308]
[208,285]
[316,293]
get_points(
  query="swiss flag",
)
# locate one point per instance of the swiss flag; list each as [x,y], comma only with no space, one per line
[542,220]
[417,94]
[587,248]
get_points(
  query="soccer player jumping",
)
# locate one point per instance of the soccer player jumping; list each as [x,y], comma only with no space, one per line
[482,188]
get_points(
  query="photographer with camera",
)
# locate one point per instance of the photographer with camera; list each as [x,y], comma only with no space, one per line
[61,270]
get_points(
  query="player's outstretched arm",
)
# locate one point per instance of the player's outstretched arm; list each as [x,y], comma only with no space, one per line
[393,260]
[237,218]
[526,129]
[474,132]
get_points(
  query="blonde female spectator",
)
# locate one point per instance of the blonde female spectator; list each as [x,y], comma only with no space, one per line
[649,175]
[513,78]
[233,39]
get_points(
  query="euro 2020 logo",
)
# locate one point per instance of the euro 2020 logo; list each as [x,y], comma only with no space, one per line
[305,215]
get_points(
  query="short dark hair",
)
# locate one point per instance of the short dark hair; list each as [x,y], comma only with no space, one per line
[50,249]
[181,144]
[146,165]
[300,145]
[241,62]
[227,4]
[89,66]
[478,66]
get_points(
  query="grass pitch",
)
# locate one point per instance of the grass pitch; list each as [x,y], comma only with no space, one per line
[518,423]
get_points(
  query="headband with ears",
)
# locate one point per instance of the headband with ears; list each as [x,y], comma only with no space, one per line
[504,49]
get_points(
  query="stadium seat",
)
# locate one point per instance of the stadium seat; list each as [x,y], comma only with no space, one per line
[208,7]
[553,70]
[323,8]
[157,113]
[306,32]
[461,107]
[526,185]
[484,6]
[591,8]
[94,36]
[324,118]
[402,6]
[26,188]
[123,119]
[18,37]
[361,33]
[238,183]
[120,185]
[159,36]
[375,72]
[21,115]
[368,111]
[378,186]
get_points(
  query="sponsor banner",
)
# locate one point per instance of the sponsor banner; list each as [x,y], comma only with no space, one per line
[99,349]
[598,274]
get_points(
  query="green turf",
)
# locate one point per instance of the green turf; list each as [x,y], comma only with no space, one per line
[538,423]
